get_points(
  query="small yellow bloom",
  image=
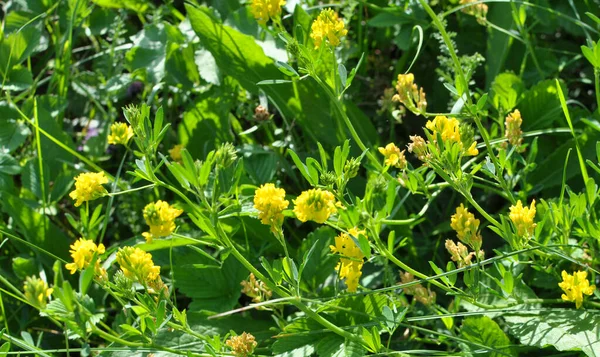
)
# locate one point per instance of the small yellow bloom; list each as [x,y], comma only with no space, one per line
[478,10]
[36,291]
[263,10]
[175,153]
[351,260]
[466,226]
[88,187]
[160,216]
[137,265]
[120,133]
[256,289]
[82,252]
[393,156]
[328,26]
[314,205]
[459,253]
[270,202]
[411,96]
[513,128]
[575,286]
[522,218]
[242,345]
[449,130]
[418,146]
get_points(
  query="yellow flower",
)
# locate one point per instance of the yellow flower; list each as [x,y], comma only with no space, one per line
[575,286]
[175,152]
[270,202]
[328,26]
[459,253]
[411,96]
[88,187]
[522,218]
[449,130]
[160,216]
[314,205]
[478,10]
[466,226]
[513,128]
[82,252]
[351,260]
[242,345]
[120,133]
[418,146]
[36,291]
[393,156]
[263,10]
[137,265]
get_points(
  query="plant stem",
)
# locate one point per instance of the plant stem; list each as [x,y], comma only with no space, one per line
[296,302]
[597,80]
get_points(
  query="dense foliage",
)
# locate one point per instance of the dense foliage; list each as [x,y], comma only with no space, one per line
[298,178]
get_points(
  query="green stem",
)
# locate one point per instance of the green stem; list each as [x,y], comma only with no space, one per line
[296,302]
[597,80]
[353,132]
[461,75]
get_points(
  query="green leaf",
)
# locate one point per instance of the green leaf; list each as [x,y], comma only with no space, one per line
[485,332]
[207,67]
[19,79]
[206,122]
[241,57]
[566,330]
[286,69]
[498,43]
[211,288]
[540,106]
[9,165]
[506,91]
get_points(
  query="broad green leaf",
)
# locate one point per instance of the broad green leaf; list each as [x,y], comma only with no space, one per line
[485,332]
[506,91]
[566,330]
[498,43]
[211,288]
[240,57]
[540,106]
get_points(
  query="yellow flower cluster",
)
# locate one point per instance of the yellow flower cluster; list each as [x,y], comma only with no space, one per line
[460,253]
[242,345]
[466,226]
[479,10]
[314,205]
[449,130]
[522,218]
[82,252]
[36,291]
[328,26]
[256,289]
[411,96]
[424,296]
[137,265]
[120,133]
[160,216]
[351,261]
[418,146]
[393,156]
[513,128]
[175,153]
[263,10]
[270,202]
[88,187]
[575,286]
